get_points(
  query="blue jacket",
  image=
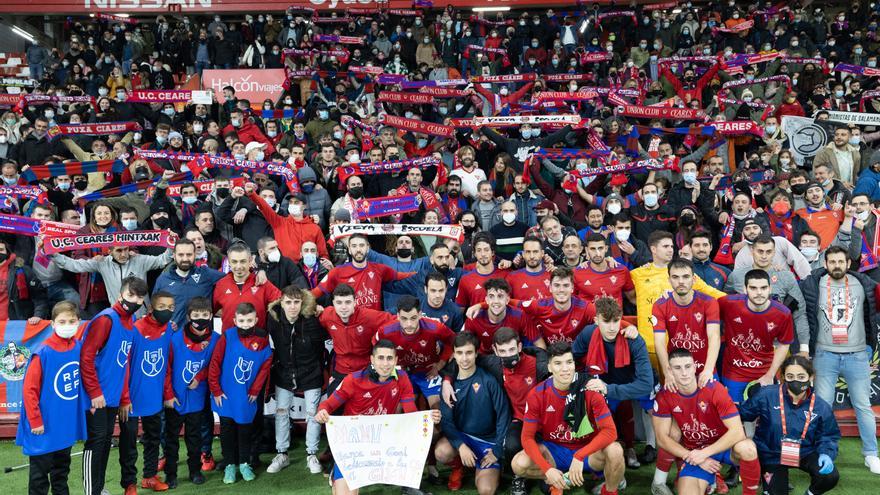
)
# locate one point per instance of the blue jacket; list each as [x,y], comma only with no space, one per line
[199,282]
[868,183]
[635,381]
[711,273]
[481,411]
[822,435]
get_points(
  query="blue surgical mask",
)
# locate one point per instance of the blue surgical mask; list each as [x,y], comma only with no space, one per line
[191,200]
[239,156]
[422,143]
[64,186]
[130,224]
[651,199]
[310,259]
[689,177]
[161,139]
[169,112]
[839,93]
[323,114]
[260,156]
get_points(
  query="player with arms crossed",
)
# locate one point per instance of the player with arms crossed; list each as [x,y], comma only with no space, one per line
[709,427]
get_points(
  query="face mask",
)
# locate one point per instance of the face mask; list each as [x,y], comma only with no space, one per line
[613,208]
[323,114]
[260,156]
[872,63]
[404,252]
[797,387]
[310,259]
[508,217]
[858,51]
[689,177]
[103,91]
[162,222]
[238,156]
[854,140]
[129,224]
[295,210]
[688,220]
[236,122]
[769,129]
[504,91]
[197,129]
[80,185]
[356,192]
[459,106]
[161,139]
[270,202]
[863,216]
[50,114]
[129,306]
[838,93]
[798,189]
[510,362]
[651,200]
[781,208]
[622,235]
[274,256]
[10,182]
[169,112]
[162,316]
[747,99]
[65,331]
[191,200]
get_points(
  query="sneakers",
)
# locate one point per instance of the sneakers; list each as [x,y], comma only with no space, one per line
[597,490]
[313,464]
[632,460]
[658,489]
[161,463]
[649,455]
[131,489]
[455,476]
[518,486]
[105,492]
[873,463]
[229,474]
[197,479]
[555,491]
[279,462]
[171,482]
[207,462]
[154,484]
[247,473]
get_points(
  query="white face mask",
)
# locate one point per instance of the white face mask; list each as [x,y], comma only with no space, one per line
[613,208]
[270,202]
[622,235]
[810,252]
[274,256]
[508,217]
[65,331]
[295,210]
[863,216]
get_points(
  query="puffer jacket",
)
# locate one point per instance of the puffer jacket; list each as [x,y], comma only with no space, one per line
[299,358]
[810,290]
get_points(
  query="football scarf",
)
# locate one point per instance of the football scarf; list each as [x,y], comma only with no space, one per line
[56,244]
[39,172]
[350,169]
[385,206]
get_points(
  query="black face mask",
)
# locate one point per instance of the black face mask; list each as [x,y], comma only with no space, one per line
[245,332]
[510,362]
[3,257]
[193,336]
[798,189]
[222,192]
[162,222]
[798,387]
[356,192]
[688,220]
[470,229]
[162,316]
[404,252]
[130,307]
[80,185]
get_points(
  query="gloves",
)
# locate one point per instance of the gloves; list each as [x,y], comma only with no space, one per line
[826,465]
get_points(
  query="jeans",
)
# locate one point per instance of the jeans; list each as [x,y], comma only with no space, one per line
[62,291]
[283,402]
[854,368]
[36,71]
[200,66]
[126,67]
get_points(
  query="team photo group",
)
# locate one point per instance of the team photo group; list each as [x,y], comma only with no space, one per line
[410,247]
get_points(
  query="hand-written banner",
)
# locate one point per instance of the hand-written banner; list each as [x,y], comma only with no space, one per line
[386,449]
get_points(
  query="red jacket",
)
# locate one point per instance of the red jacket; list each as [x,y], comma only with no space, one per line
[290,232]
[247,132]
[790,109]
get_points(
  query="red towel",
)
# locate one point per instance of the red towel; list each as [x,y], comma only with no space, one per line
[597,361]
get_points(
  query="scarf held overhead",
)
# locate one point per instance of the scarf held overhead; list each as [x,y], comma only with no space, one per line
[57,244]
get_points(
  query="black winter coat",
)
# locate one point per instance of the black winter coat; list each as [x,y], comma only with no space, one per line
[810,290]
[299,357]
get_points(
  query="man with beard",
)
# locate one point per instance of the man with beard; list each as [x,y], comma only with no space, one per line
[820,217]
[354,187]
[453,201]
[472,287]
[701,252]
[843,336]
[240,286]
[598,279]
[441,261]
[553,237]
[429,200]
[469,173]
[533,281]
[364,276]
[435,304]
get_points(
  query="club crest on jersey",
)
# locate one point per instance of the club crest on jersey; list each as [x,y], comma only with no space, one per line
[698,316]
[476,387]
[770,326]
[394,392]
[529,380]
[613,279]
[122,354]
[360,329]
[190,370]
[243,370]
[254,290]
[196,277]
[371,275]
[66,381]
[703,406]
[152,363]
[423,343]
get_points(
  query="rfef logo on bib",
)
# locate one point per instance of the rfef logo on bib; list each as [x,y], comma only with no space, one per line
[66,381]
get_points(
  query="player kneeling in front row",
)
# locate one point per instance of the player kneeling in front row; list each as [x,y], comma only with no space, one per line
[474,430]
[577,430]
[378,389]
[711,432]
